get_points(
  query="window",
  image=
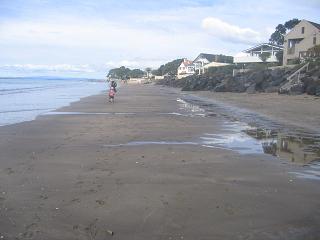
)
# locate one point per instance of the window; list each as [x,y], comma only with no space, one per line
[302,30]
[314,40]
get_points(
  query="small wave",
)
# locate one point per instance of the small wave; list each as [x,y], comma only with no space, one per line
[27,110]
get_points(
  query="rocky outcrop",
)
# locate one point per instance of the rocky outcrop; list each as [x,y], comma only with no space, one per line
[305,82]
[251,82]
[312,83]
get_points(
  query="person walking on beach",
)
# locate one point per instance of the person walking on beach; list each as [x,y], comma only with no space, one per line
[112,93]
[113,85]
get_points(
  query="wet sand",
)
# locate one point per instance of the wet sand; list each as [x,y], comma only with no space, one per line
[74,176]
[300,110]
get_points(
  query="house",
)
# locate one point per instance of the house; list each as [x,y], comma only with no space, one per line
[205,58]
[251,55]
[302,37]
[186,68]
[206,67]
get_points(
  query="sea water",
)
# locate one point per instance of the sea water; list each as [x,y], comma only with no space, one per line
[23,99]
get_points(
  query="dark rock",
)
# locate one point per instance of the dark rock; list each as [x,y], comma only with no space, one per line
[254,81]
[312,85]
[220,87]
[251,89]
[258,77]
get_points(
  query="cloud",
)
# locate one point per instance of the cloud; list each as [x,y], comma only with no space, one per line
[148,34]
[48,68]
[136,63]
[228,32]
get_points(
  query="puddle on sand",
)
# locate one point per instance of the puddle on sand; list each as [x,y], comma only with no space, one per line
[86,113]
[300,148]
[295,147]
[190,109]
[115,113]
[313,172]
[247,132]
[234,141]
[143,143]
[238,142]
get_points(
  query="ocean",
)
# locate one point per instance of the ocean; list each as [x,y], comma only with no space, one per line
[23,99]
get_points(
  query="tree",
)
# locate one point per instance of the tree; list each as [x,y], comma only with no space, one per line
[264,56]
[169,68]
[136,73]
[291,23]
[120,73]
[278,36]
[124,73]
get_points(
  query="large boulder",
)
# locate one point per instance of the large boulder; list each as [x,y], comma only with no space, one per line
[256,77]
[312,85]
[235,86]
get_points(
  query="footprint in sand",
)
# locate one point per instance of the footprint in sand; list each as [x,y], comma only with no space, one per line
[30,231]
[100,202]
[9,171]
[43,197]
[75,200]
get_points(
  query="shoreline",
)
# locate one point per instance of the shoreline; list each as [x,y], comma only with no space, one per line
[76,176]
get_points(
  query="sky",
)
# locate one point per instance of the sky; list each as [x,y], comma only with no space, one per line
[86,38]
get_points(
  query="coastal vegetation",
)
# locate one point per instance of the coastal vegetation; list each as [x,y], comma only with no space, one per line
[169,68]
[124,73]
[278,36]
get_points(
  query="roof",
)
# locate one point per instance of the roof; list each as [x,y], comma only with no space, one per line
[209,57]
[215,64]
[215,57]
[187,62]
[317,25]
[264,44]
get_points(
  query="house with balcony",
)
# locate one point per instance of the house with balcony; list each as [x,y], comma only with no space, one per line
[252,55]
[185,69]
[299,40]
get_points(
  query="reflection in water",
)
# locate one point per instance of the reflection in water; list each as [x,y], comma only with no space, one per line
[299,148]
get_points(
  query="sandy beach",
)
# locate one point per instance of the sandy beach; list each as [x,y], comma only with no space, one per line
[299,110]
[141,169]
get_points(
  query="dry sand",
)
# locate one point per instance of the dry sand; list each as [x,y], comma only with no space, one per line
[61,178]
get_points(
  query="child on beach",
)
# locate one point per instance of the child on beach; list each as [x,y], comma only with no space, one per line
[112,93]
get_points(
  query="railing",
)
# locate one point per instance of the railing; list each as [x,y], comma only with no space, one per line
[298,72]
[309,54]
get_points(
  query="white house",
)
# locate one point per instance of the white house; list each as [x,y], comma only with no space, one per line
[251,55]
[204,59]
[186,68]
[299,40]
